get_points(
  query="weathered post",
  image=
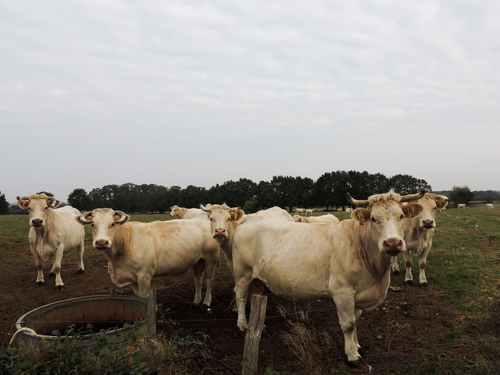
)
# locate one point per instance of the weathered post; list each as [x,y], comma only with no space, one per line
[152,315]
[254,332]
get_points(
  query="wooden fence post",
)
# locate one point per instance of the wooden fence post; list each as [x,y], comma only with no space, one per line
[254,332]
[151,324]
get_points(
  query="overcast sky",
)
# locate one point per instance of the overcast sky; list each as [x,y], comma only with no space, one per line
[198,93]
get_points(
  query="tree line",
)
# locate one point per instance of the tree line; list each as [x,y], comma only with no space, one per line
[287,192]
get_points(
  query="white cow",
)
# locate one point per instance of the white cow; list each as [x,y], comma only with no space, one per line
[300,210]
[349,262]
[489,206]
[187,213]
[419,233]
[461,205]
[53,231]
[325,219]
[309,211]
[224,220]
[137,252]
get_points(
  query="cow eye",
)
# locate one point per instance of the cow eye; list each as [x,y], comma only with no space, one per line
[228,219]
[111,225]
[373,219]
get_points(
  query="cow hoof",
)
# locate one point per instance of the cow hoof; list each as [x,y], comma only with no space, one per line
[60,287]
[424,284]
[80,271]
[39,283]
[360,365]
[409,282]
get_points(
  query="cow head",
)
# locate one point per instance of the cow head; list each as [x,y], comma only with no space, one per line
[104,223]
[220,217]
[174,211]
[383,216]
[38,206]
[430,203]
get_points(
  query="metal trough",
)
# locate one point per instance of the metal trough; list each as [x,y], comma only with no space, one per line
[89,313]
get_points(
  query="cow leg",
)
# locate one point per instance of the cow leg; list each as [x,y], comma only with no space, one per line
[357,313]
[347,319]
[143,286]
[422,261]
[81,249]
[241,289]
[198,270]
[39,266]
[408,261]
[210,265]
[394,265]
[56,266]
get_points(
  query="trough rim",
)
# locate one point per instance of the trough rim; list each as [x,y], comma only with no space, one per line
[20,321]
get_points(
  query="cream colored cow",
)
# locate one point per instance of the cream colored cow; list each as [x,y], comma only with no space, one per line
[419,232]
[187,213]
[325,219]
[137,252]
[52,231]
[349,262]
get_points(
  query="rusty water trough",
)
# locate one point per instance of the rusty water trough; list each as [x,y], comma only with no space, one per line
[87,315]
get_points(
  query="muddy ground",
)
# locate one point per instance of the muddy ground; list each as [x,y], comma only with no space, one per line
[412,321]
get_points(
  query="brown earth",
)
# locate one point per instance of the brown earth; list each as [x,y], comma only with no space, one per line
[411,323]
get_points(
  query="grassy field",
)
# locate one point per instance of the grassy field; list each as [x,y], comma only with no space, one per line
[464,265]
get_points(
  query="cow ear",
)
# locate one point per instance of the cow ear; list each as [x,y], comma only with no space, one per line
[412,210]
[441,203]
[361,214]
[56,203]
[237,215]
[23,202]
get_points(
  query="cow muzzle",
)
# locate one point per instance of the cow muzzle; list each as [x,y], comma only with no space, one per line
[101,244]
[220,233]
[37,223]
[393,246]
[428,224]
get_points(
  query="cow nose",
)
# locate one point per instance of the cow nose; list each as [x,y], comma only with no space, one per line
[393,245]
[37,222]
[428,223]
[219,232]
[101,244]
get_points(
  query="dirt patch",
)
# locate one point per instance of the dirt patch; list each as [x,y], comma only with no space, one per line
[399,333]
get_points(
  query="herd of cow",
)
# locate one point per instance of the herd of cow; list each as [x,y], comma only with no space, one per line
[297,257]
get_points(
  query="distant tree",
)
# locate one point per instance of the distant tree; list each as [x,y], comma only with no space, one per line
[404,184]
[79,199]
[4,205]
[46,193]
[251,206]
[461,194]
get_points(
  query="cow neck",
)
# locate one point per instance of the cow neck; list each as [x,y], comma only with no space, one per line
[417,238]
[377,264]
[121,241]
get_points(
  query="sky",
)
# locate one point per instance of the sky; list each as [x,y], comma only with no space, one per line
[184,92]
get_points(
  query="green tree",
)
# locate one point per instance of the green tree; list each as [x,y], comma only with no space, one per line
[461,194]
[79,199]
[404,184]
[4,205]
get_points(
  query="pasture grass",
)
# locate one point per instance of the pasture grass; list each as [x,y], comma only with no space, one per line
[463,264]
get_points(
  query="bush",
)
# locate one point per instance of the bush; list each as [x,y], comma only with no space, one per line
[134,355]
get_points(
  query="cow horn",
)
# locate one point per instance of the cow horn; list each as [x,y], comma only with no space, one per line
[123,216]
[204,208]
[85,217]
[413,197]
[23,198]
[355,202]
